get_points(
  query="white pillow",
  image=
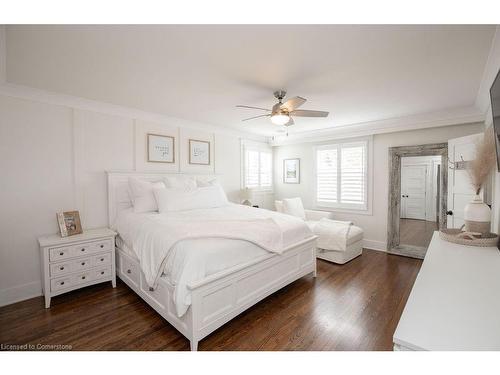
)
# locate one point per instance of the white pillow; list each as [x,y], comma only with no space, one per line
[210,181]
[181,182]
[141,194]
[294,207]
[180,199]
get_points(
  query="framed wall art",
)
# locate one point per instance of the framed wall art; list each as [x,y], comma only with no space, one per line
[291,171]
[199,152]
[161,148]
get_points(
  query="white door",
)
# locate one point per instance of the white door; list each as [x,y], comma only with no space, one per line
[413,187]
[460,190]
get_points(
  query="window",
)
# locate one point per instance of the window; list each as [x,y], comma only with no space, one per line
[342,175]
[258,168]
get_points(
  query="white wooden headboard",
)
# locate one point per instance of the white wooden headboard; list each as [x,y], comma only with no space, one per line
[118,196]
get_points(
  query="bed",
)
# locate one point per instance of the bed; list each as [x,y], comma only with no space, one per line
[225,276]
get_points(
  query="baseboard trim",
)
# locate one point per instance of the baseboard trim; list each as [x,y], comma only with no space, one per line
[374,245]
[20,293]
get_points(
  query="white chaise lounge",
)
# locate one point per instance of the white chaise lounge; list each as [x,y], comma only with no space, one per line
[347,249]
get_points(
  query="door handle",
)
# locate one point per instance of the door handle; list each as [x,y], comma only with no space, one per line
[449,213]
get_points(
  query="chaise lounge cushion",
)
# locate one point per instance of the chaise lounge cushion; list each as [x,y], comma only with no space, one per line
[355,233]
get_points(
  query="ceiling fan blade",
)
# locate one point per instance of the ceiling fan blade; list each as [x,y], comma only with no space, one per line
[251,118]
[248,106]
[293,103]
[307,113]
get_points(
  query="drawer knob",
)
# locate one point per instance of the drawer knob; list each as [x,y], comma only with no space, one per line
[83,277]
[61,268]
[102,272]
[102,259]
[129,271]
[83,263]
[102,246]
[62,282]
[83,249]
[61,253]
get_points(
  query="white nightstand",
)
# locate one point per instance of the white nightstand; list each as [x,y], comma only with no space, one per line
[70,263]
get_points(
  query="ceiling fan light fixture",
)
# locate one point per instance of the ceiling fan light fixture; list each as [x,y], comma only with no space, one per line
[280,118]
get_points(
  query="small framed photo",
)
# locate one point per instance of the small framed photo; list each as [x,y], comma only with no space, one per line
[291,171]
[69,223]
[161,148]
[199,152]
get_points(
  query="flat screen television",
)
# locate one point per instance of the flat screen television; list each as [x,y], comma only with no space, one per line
[495,111]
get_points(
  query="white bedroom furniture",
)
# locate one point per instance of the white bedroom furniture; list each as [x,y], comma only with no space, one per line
[455,301]
[219,297]
[70,263]
[350,246]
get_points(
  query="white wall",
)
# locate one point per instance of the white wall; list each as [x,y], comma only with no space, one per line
[374,225]
[53,158]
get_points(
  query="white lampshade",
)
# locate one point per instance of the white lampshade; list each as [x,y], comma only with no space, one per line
[246,193]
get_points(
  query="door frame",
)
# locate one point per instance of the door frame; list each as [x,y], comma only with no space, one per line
[394,209]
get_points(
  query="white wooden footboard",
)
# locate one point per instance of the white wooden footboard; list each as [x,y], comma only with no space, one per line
[222,296]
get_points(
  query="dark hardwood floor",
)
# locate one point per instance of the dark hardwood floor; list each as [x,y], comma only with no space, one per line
[351,307]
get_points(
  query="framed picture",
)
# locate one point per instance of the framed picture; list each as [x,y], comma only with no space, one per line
[199,152]
[161,148]
[69,223]
[291,171]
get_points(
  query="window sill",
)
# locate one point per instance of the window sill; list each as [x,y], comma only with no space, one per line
[367,212]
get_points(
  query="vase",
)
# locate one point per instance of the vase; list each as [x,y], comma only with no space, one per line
[477,216]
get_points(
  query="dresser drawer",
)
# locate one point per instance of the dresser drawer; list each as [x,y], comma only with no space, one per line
[60,283]
[59,269]
[59,253]
[102,260]
[81,264]
[103,245]
[102,272]
[82,277]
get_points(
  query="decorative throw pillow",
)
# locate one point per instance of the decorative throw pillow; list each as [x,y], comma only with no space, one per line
[181,182]
[181,199]
[294,207]
[141,194]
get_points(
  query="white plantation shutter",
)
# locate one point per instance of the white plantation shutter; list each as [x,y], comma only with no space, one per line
[251,169]
[341,175]
[327,175]
[258,168]
[266,166]
[353,174]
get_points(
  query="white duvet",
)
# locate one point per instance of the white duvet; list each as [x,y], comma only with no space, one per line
[193,253]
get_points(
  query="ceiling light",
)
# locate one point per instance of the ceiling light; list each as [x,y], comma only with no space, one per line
[280,118]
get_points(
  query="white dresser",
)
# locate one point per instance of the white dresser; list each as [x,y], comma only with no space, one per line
[455,301]
[73,262]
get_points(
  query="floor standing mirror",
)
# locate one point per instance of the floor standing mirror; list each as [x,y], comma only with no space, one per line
[418,180]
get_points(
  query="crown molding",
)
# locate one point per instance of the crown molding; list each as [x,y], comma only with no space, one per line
[74,102]
[491,69]
[455,116]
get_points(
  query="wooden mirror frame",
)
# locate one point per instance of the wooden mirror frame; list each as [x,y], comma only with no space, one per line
[395,155]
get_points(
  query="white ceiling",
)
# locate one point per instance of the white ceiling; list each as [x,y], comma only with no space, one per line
[199,73]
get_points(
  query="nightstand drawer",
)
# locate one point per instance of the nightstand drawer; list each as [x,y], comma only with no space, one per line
[60,253]
[102,260]
[102,272]
[59,269]
[60,283]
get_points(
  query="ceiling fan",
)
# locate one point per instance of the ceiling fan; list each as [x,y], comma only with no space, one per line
[281,113]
